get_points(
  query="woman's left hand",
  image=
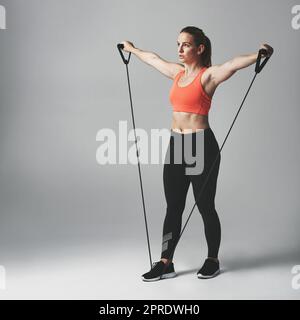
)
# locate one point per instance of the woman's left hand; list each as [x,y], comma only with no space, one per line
[269,49]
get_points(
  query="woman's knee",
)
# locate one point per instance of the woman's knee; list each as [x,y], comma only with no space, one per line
[206,208]
[175,206]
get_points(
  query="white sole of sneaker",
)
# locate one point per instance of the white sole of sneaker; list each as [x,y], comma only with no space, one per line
[164,276]
[149,280]
[201,276]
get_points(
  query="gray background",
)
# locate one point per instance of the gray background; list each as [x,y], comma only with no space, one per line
[70,228]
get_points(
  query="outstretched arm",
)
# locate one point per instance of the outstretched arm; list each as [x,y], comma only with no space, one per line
[222,72]
[169,69]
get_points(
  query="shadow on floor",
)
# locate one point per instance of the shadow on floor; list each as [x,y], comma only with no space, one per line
[269,259]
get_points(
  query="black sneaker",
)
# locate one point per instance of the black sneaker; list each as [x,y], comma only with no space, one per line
[209,269]
[159,271]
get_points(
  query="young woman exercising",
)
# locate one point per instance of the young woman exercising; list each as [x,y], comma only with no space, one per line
[194,83]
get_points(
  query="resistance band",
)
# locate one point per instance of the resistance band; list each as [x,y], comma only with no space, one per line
[258,67]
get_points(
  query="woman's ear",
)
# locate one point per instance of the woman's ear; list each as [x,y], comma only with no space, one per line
[201,49]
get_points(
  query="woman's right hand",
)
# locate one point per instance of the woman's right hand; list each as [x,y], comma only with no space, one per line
[128,46]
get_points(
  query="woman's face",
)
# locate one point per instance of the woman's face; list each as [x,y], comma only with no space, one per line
[187,51]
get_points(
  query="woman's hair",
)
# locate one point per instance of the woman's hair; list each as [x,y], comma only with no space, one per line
[200,38]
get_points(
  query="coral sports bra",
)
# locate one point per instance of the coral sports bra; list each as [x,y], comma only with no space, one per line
[190,98]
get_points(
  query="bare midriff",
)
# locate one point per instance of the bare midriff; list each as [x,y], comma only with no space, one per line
[185,122]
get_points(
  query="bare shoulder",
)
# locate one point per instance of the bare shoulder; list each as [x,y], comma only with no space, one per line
[177,67]
[207,82]
[208,74]
[169,69]
[180,66]
[174,69]
[218,73]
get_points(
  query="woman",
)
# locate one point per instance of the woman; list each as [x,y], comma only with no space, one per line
[195,81]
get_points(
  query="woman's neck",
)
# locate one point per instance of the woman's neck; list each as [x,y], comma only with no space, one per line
[192,69]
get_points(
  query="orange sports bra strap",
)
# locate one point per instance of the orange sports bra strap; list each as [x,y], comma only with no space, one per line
[178,74]
[202,70]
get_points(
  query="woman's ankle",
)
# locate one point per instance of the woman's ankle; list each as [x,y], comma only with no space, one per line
[212,258]
[166,261]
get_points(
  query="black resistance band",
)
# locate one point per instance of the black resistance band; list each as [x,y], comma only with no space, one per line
[258,67]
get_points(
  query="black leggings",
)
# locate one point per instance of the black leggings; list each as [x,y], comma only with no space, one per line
[176,184]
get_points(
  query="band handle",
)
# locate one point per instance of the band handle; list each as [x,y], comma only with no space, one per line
[259,66]
[121,47]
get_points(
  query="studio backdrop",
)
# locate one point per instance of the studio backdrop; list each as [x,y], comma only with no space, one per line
[69,220]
